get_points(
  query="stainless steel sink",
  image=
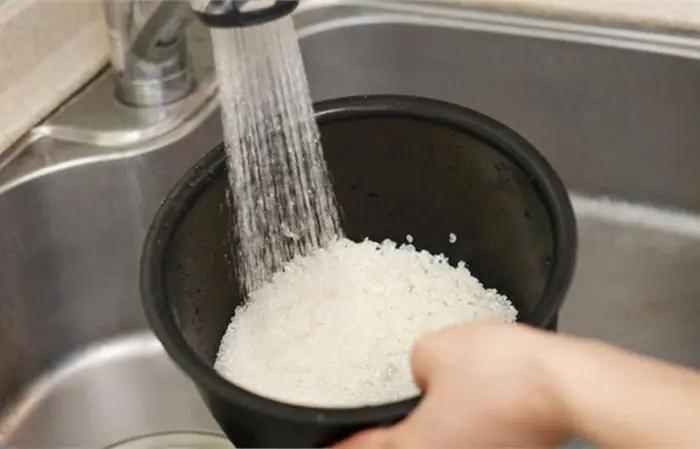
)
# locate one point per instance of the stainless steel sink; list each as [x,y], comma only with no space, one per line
[614,110]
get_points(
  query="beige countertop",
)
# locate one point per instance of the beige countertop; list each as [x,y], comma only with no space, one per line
[656,14]
[49,48]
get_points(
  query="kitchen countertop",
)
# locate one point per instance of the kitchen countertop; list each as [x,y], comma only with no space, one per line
[48,49]
[671,15]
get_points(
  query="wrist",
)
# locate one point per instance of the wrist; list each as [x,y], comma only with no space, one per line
[554,352]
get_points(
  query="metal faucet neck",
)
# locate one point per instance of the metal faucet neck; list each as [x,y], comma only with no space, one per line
[149,50]
[149,44]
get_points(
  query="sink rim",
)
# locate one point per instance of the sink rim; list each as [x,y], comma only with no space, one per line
[25,162]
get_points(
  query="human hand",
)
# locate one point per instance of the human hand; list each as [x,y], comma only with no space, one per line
[512,386]
[484,386]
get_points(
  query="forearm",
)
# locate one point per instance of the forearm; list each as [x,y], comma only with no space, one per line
[620,400]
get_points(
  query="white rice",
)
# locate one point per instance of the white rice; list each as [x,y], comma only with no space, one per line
[336,328]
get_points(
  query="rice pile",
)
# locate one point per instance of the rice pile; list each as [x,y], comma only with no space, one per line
[335,328]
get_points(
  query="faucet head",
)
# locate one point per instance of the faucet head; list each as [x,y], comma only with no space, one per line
[241,13]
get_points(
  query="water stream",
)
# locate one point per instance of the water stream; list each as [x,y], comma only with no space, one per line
[283,199]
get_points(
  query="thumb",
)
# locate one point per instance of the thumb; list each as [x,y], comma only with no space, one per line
[427,425]
[368,439]
[428,359]
[409,434]
[425,362]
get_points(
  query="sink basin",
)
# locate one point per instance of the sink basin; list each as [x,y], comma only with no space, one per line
[614,110]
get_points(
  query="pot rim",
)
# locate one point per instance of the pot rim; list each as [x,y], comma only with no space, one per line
[190,187]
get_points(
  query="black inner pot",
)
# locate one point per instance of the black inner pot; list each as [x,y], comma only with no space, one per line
[400,165]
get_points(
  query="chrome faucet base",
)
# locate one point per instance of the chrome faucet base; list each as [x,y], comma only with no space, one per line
[149,47]
[97,119]
[174,82]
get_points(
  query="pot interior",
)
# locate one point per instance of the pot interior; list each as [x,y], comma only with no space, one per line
[393,177]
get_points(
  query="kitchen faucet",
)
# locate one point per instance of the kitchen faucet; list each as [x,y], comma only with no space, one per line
[149,46]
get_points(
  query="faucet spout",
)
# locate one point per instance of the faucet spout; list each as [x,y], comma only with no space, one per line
[149,44]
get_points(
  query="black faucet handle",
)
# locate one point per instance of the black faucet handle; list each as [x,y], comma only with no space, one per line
[236,13]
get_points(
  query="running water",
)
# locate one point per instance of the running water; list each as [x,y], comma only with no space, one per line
[282,195]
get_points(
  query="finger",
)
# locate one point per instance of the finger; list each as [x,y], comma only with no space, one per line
[430,425]
[425,360]
[443,421]
[434,353]
[368,439]
[422,429]
[444,350]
